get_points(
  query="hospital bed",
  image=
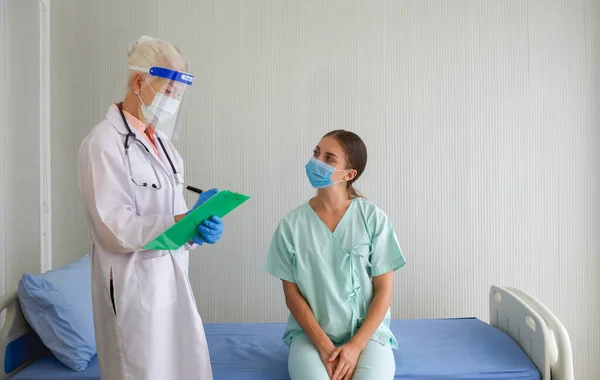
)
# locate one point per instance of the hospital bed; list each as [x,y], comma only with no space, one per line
[523,340]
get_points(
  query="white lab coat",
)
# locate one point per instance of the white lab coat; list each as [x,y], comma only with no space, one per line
[156,332]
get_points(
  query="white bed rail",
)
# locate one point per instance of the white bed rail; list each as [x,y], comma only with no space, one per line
[519,321]
[560,354]
[535,329]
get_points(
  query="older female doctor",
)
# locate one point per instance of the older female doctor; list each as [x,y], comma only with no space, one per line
[131,181]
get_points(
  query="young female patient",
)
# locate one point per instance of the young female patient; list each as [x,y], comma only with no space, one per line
[336,255]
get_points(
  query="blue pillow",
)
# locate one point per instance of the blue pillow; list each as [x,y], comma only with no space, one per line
[58,306]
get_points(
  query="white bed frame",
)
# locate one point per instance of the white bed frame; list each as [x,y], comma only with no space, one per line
[521,316]
[535,329]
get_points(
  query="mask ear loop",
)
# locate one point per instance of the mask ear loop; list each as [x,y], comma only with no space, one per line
[138,91]
[342,180]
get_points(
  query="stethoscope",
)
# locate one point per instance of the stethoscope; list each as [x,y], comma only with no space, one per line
[178,178]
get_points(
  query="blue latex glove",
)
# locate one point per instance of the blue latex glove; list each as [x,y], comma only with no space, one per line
[209,231]
[203,197]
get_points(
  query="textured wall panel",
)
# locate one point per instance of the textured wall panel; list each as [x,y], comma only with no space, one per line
[481,120]
[21,127]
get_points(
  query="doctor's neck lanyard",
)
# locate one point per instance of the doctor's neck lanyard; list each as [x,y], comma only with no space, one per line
[130,133]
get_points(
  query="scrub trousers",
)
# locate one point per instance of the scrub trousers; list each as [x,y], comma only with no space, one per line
[376,362]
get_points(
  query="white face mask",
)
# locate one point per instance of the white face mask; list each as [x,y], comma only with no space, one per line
[163,108]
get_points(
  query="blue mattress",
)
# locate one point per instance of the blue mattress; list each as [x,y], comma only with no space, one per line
[442,349]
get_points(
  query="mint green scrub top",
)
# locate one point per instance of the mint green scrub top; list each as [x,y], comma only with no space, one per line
[334,271]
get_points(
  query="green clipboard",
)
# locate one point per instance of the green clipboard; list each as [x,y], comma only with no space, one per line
[183,231]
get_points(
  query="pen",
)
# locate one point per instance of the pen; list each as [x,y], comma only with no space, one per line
[195,189]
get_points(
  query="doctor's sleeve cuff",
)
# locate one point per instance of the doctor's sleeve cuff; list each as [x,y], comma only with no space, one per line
[167,221]
[190,245]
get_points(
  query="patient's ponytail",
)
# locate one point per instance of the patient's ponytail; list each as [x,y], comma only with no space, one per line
[352,192]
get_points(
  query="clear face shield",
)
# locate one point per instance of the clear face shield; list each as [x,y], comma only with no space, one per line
[169,88]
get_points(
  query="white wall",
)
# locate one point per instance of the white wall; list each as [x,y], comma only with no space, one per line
[21,128]
[481,119]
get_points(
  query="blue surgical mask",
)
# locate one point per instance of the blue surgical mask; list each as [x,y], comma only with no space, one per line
[319,173]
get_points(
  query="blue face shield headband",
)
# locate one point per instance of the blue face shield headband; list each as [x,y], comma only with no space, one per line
[319,173]
[163,111]
[163,72]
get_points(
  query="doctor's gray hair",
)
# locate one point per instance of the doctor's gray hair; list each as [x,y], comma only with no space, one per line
[147,52]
